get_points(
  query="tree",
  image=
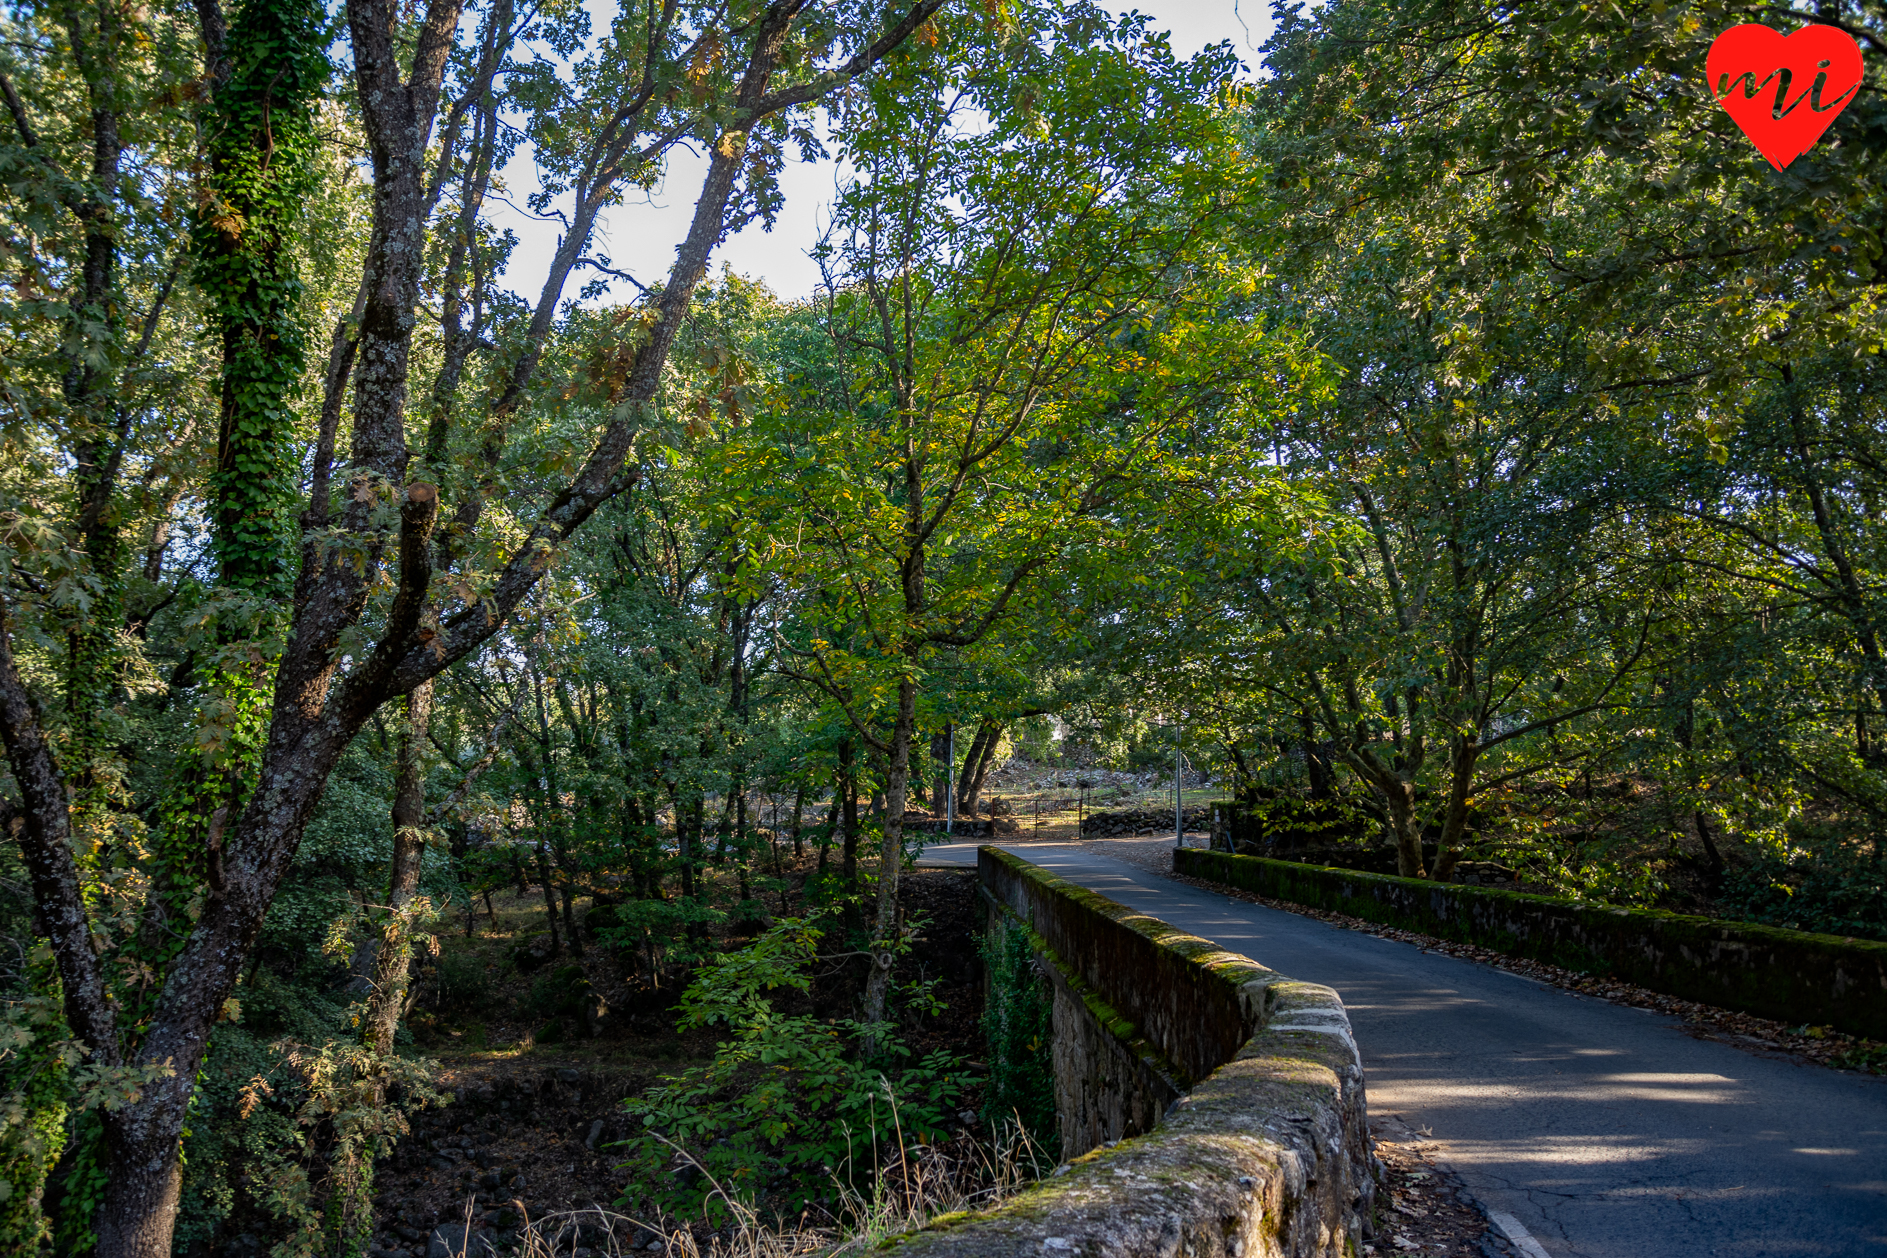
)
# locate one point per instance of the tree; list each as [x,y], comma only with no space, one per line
[1009,337]
[367,622]
[1555,284]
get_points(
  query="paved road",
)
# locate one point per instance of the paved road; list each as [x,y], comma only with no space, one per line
[1604,1129]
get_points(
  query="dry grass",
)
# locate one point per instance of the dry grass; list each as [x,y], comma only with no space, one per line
[929,1181]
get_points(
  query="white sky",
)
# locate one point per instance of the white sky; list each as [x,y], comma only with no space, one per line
[641,238]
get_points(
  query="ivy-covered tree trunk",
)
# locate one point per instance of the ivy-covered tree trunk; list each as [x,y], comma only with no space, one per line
[265,72]
[324,689]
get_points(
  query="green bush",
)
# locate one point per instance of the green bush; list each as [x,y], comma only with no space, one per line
[1828,881]
[460,979]
[563,992]
[789,1102]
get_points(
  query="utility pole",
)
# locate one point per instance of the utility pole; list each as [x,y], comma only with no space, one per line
[1179,812]
[950,778]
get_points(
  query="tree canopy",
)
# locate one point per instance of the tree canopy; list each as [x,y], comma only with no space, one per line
[1453,435]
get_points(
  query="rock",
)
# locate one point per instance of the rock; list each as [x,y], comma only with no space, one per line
[454,1241]
[530,955]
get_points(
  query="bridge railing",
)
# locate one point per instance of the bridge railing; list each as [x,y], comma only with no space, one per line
[1207,1104]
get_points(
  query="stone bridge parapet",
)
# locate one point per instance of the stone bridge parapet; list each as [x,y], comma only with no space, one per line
[1216,1106]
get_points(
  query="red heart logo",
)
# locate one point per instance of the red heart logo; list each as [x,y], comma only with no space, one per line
[1783,90]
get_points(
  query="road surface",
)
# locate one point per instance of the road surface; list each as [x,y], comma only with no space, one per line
[1605,1130]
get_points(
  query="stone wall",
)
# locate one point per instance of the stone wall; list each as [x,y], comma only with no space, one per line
[1221,1103]
[1790,975]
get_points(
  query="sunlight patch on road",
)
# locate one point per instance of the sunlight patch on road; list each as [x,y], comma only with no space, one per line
[1569,1150]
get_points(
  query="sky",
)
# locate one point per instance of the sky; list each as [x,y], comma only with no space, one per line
[640,238]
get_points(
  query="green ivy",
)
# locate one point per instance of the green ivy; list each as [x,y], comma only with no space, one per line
[262,141]
[1018,1027]
[33,1103]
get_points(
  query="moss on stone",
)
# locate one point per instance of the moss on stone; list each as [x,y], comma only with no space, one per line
[1794,976]
[1271,1143]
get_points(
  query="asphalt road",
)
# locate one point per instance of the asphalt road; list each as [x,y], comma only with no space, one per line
[1605,1130]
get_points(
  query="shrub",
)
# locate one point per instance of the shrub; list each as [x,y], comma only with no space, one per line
[1823,882]
[460,979]
[789,1102]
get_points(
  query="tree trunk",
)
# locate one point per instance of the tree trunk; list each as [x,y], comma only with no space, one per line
[848,803]
[1316,761]
[939,771]
[691,864]
[393,964]
[550,896]
[684,849]
[985,760]
[1398,796]
[891,858]
[1455,818]
[141,1198]
[1716,858]
[831,828]
[1407,834]
[799,804]
[569,916]
[724,828]
[966,800]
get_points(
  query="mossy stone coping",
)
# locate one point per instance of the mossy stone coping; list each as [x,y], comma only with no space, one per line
[1790,975]
[1266,1157]
[1189,998]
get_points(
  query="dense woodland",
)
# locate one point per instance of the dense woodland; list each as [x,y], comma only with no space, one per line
[1449,433]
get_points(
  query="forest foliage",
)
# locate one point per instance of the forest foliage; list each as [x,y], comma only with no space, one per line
[1451,426]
